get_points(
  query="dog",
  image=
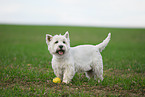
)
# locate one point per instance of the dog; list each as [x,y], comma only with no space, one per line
[68,60]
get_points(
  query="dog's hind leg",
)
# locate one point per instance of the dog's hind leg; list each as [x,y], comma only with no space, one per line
[90,74]
[98,69]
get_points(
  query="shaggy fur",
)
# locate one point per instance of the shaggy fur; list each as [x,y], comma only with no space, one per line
[68,60]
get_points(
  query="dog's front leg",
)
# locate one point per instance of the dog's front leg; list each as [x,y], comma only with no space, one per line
[58,73]
[68,74]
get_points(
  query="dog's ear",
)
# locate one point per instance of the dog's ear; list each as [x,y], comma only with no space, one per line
[67,35]
[48,38]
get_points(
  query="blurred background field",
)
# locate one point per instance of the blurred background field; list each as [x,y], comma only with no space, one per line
[25,63]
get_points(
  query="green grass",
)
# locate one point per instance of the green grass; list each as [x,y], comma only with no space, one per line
[25,63]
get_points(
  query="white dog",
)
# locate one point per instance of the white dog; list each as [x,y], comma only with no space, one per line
[68,60]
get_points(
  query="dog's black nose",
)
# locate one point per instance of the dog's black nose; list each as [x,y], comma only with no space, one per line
[61,46]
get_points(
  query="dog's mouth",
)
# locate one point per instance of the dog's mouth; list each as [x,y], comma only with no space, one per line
[60,52]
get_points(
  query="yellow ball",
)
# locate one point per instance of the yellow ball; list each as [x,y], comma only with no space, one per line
[57,80]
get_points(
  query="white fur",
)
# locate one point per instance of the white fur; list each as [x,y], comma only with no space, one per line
[83,58]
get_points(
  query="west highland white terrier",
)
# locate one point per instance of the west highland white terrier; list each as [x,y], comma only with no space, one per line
[68,60]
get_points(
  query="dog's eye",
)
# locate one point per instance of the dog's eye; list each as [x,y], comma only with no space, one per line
[64,42]
[56,42]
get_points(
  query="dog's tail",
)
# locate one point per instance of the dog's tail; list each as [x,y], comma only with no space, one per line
[102,45]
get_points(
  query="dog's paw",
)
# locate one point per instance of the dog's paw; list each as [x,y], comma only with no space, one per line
[65,81]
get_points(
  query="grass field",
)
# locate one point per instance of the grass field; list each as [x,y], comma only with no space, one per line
[25,63]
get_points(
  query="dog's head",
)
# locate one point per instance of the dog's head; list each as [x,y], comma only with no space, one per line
[58,44]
